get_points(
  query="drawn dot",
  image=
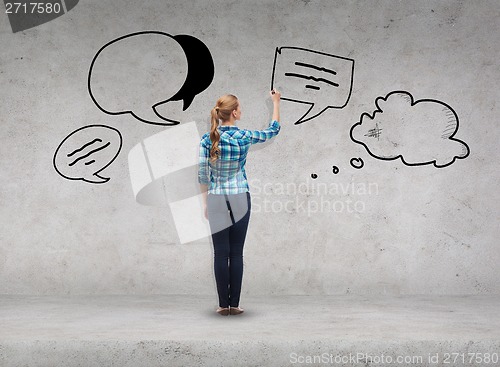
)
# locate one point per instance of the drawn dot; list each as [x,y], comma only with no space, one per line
[335,169]
[314,175]
[357,163]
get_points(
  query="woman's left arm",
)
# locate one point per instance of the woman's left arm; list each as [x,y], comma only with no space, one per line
[203,174]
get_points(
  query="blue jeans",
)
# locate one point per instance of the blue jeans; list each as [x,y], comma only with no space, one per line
[228,216]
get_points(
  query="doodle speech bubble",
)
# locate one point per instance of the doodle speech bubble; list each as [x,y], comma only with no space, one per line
[138,72]
[419,132]
[84,153]
[200,69]
[312,77]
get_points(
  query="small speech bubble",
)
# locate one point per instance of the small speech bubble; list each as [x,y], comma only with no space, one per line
[84,153]
[24,14]
[138,72]
[312,77]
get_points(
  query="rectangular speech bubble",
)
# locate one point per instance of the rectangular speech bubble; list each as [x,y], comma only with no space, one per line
[316,78]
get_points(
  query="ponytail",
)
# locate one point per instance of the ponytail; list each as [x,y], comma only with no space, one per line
[214,134]
[222,111]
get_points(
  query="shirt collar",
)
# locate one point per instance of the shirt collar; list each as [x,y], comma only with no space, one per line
[228,127]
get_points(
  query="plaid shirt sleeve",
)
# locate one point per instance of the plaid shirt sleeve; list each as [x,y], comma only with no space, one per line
[203,173]
[260,136]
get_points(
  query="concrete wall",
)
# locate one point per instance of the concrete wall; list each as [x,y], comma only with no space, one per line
[389,227]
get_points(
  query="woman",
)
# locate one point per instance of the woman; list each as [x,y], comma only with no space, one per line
[226,195]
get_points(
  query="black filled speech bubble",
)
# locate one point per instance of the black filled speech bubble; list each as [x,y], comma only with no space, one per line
[200,69]
[161,67]
[25,14]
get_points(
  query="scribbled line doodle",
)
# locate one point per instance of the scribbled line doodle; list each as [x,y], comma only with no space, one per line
[140,71]
[314,175]
[374,133]
[311,77]
[419,132]
[357,163]
[87,151]
[25,14]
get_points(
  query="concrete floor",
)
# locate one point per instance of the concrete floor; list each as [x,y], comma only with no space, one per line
[166,330]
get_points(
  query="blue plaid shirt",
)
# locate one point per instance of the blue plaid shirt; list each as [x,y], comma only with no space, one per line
[227,174]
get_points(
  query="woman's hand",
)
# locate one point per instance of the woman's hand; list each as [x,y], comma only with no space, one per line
[275,95]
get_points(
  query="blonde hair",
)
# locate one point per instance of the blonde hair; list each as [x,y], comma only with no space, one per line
[222,111]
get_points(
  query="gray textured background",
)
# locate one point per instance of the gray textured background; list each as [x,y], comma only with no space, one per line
[425,230]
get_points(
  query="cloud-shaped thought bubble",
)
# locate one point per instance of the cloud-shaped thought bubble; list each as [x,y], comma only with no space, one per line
[312,77]
[419,132]
[138,72]
[84,153]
